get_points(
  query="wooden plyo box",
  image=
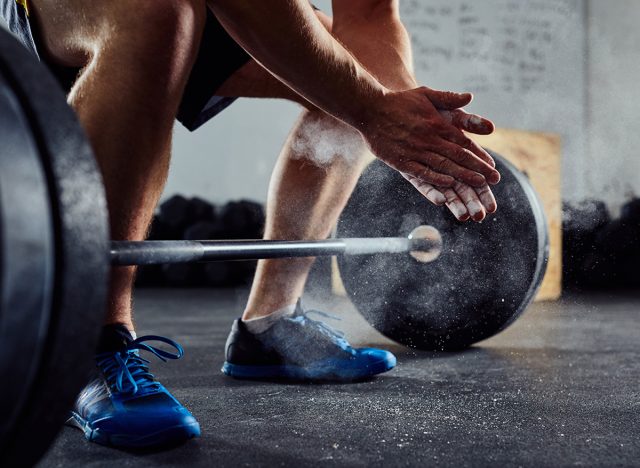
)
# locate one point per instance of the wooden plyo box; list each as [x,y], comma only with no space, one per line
[539,156]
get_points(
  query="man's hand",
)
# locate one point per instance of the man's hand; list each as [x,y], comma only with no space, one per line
[408,133]
[404,129]
[427,146]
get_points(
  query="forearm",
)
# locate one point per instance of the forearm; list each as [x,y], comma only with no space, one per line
[379,40]
[286,37]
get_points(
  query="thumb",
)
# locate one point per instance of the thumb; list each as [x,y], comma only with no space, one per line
[447,100]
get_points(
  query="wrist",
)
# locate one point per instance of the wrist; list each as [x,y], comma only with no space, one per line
[365,106]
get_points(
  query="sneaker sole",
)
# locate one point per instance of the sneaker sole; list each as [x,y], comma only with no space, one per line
[173,435]
[327,371]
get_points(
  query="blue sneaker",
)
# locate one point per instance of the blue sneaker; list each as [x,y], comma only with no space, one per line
[300,348]
[124,406]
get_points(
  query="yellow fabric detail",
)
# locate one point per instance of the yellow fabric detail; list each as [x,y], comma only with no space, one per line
[24,4]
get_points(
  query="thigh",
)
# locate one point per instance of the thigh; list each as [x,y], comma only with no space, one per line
[63,28]
[71,31]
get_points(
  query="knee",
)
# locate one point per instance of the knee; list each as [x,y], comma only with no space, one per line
[325,141]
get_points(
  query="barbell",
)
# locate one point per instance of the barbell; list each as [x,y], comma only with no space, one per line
[465,282]
[424,244]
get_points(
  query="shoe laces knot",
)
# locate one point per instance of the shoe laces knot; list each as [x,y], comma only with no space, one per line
[127,372]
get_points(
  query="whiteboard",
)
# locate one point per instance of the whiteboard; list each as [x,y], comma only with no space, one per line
[524,61]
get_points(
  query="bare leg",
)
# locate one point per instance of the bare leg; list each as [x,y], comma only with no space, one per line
[306,195]
[127,96]
[305,200]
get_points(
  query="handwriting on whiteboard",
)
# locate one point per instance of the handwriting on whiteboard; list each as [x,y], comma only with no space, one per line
[497,45]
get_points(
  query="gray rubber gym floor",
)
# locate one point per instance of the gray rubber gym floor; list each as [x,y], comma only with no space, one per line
[558,388]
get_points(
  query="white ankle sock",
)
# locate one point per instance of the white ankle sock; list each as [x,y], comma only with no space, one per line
[262,324]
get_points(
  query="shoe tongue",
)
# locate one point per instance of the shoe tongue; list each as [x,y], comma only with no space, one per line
[114,337]
[298,310]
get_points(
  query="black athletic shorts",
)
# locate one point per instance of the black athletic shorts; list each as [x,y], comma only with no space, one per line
[218,58]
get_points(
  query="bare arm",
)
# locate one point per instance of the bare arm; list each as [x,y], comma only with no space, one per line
[374,33]
[287,38]
[404,129]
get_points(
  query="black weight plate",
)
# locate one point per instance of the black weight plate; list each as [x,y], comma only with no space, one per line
[26,258]
[485,277]
[80,262]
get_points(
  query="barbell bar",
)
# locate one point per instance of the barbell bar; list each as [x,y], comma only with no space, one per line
[124,253]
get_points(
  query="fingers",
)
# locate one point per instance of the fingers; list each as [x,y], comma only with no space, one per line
[471,123]
[455,205]
[445,163]
[432,167]
[463,201]
[447,100]
[487,198]
[466,202]
[465,158]
[427,190]
[471,201]
[456,136]
[426,175]
[449,104]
